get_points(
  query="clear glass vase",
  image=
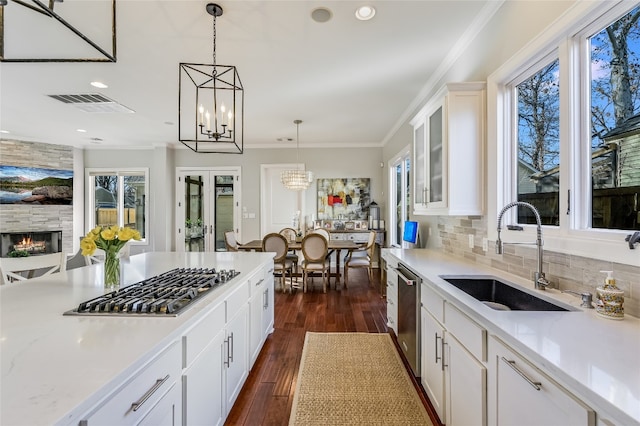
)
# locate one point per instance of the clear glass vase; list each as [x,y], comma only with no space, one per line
[111,270]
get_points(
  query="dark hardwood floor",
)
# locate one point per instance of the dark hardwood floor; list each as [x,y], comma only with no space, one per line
[267,396]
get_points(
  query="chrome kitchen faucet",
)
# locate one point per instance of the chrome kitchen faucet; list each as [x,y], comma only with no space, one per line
[539,280]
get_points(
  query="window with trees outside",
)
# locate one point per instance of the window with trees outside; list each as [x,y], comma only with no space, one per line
[119,197]
[607,155]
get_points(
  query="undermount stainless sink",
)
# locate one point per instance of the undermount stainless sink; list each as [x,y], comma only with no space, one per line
[499,295]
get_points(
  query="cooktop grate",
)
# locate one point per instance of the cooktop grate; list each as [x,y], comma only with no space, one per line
[165,295]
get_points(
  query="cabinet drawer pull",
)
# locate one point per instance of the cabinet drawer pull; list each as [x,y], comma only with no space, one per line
[437,357]
[136,405]
[512,364]
[259,282]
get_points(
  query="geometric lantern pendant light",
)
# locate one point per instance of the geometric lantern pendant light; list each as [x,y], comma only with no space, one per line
[211,104]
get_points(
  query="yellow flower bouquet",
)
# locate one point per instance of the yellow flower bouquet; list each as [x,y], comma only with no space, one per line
[111,240]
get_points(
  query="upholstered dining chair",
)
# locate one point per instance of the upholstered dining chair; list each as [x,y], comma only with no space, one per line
[230,241]
[49,263]
[290,234]
[361,258]
[314,251]
[276,243]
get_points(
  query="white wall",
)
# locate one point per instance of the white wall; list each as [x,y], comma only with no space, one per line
[324,163]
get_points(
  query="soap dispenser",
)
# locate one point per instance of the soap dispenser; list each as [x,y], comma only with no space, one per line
[610,299]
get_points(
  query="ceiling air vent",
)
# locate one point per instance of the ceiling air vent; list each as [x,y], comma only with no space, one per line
[93,102]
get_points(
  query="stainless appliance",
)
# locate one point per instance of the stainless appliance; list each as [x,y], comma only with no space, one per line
[409,316]
[165,295]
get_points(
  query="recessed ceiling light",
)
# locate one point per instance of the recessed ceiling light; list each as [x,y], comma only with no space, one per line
[4,131]
[321,14]
[364,13]
[81,130]
[99,84]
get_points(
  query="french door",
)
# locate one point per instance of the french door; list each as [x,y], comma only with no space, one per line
[399,195]
[208,205]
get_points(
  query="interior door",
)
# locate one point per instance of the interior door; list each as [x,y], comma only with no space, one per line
[279,205]
[208,206]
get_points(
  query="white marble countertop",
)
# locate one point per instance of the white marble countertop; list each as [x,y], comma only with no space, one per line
[595,358]
[55,367]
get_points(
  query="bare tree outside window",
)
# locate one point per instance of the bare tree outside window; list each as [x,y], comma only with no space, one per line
[539,144]
[615,124]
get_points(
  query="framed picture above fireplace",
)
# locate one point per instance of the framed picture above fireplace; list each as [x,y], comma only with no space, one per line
[34,186]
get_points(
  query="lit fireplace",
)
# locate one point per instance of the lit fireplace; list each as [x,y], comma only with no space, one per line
[30,245]
[34,243]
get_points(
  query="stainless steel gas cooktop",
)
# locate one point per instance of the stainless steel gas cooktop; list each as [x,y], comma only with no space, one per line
[165,295]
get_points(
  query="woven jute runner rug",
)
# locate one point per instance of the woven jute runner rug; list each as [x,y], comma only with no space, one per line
[354,379]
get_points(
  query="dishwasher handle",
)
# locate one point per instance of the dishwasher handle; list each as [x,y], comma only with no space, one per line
[406,280]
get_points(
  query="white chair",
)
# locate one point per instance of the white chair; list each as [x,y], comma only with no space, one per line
[361,258]
[49,263]
[315,250]
[277,243]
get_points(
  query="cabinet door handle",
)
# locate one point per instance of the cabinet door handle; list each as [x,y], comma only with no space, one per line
[226,361]
[231,348]
[443,345]
[536,385]
[265,305]
[437,357]
[136,405]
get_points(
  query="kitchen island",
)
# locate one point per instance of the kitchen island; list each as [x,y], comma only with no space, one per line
[591,359]
[58,369]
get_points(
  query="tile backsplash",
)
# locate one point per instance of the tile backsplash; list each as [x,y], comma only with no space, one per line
[565,271]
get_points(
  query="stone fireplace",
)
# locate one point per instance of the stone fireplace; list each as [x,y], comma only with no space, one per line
[32,242]
[34,217]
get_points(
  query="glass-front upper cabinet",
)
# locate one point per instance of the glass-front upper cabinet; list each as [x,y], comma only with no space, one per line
[449,133]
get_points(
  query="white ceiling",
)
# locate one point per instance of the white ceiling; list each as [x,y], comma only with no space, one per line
[351,82]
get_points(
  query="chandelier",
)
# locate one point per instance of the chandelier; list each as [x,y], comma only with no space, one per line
[297,179]
[210,118]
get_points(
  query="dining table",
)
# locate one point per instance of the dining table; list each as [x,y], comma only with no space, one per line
[332,245]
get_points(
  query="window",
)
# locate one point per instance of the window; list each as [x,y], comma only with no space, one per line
[400,195]
[538,141]
[118,197]
[564,133]
[615,123]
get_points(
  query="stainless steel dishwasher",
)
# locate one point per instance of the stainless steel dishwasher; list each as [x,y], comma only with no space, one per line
[409,316]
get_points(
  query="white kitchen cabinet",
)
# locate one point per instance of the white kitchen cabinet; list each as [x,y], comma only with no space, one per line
[168,411]
[260,311]
[237,355]
[217,350]
[466,384]
[141,395]
[202,379]
[448,150]
[432,367]
[202,386]
[517,387]
[452,353]
[268,309]
[392,293]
